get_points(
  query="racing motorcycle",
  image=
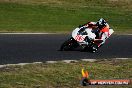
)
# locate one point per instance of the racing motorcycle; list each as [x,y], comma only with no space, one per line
[78,39]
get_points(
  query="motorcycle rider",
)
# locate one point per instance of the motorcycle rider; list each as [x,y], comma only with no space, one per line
[100,28]
[103,31]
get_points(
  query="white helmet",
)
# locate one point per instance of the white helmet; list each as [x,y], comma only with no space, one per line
[101,23]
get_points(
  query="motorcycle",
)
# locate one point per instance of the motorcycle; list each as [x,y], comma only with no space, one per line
[79,38]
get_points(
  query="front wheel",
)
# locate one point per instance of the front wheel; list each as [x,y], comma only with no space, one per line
[70,44]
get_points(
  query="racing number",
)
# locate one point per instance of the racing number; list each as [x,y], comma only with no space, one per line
[79,38]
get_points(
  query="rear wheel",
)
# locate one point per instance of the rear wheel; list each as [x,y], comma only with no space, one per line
[94,48]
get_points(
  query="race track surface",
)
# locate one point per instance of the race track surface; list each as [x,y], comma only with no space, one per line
[39,48]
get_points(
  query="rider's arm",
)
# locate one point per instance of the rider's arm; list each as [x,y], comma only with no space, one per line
[103,37]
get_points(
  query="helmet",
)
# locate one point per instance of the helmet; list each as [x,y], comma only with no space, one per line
[101,23]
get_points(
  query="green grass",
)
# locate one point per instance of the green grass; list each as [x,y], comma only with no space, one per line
[63,75]
[62,15]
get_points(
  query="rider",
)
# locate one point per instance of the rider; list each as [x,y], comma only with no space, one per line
[103,28]
[100,28]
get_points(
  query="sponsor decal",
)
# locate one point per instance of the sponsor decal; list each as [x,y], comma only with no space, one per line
[87,81]
[79,38]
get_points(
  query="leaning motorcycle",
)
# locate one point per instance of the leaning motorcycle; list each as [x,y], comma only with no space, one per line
[78,39]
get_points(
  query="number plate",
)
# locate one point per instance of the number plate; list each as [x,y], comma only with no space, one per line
[79,38]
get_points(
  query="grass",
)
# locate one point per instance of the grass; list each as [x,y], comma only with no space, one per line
[63,75]
[62,15]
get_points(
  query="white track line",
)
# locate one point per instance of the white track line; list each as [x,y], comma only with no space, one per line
[121,58]
[26,33]
[89,60]
[128,34]
[41,33]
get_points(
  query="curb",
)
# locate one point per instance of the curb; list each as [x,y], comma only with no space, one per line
[64,61]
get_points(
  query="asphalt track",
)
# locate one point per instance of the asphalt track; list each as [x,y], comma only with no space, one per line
[44,47]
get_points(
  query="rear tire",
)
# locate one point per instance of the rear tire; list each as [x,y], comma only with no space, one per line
[94,48]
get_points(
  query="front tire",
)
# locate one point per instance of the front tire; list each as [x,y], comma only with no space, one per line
[70,44]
